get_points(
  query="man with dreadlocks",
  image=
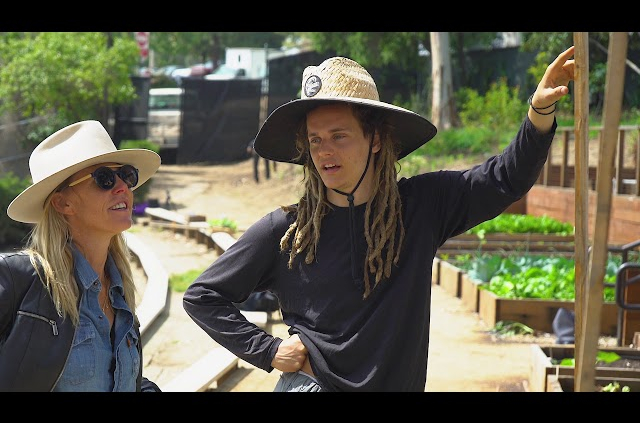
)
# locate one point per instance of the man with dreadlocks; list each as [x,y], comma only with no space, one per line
[351,262]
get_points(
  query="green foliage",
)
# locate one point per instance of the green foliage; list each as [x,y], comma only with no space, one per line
[484,266]
[469,140]
[149,145]
[602,357]
[180,282]
[70,75]
[500,110]
[489,123]
[550,278]
[223,222]
[12,232]
[470,144]
[509,223]
[509,328]
[372,49]
[615,387]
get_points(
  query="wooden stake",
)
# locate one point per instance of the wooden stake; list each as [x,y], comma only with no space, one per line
[593,295]
[581,142]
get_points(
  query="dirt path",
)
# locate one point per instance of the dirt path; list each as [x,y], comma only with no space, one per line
[464,356]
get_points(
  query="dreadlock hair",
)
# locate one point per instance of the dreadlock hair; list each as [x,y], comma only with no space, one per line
[384,228]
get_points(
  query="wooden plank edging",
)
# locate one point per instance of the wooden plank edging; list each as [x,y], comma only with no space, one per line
[201,374]
[154,298]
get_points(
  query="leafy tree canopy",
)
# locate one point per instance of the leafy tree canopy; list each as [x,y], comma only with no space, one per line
[71,76]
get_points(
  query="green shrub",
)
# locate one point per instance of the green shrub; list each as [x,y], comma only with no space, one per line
[500,110]
[11,232]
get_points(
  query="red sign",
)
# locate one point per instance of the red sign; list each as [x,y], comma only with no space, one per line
[142,38]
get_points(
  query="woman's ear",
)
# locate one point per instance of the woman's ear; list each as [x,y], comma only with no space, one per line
[61,204]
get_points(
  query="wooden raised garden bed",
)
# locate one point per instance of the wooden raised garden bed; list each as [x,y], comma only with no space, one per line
[536,313]
[567,383]
[532,243]
[457,283]
[450,278]
[470,293]
[545,375]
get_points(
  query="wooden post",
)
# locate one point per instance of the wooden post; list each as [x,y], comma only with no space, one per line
[581,147]
[593,295]
[565,157]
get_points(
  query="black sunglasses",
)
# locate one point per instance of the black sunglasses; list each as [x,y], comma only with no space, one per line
[105,176]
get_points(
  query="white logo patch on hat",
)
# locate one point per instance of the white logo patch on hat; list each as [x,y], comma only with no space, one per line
[312,85]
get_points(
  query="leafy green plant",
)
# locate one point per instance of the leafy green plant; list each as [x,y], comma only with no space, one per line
[509,223]
[223,222]
[601,357]
[551,278]
[615,387]
[12,232]
[509,328]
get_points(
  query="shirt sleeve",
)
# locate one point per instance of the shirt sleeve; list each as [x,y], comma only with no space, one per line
[464,199]
[245,267]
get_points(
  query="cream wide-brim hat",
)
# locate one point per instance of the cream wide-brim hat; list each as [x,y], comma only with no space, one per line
[336,79]
[64,153]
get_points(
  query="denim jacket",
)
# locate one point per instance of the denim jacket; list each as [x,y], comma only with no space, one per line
[34,340]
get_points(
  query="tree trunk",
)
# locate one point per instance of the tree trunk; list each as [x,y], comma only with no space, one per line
[442,106]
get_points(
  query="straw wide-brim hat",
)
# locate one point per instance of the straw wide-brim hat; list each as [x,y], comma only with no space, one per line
[64,153]
[336,79]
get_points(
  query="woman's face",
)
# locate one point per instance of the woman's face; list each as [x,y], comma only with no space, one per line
[94,211]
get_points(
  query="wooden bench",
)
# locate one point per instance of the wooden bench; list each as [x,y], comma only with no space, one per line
[198,377]
[192,230]
[192,226]
[158,213]
[222,241]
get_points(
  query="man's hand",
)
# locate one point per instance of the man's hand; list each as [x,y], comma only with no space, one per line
[554,84]
[551,88]
[290,356]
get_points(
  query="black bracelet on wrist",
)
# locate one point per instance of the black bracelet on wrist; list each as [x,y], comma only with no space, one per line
[537,109]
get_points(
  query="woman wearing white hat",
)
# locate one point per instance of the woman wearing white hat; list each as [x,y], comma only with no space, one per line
[67,301]
[351,262]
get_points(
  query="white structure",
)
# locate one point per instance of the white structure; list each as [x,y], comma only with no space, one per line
[252,60]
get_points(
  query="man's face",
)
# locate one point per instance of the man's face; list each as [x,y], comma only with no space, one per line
[339,151]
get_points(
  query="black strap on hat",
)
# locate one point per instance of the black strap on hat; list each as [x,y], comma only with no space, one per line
[352,233]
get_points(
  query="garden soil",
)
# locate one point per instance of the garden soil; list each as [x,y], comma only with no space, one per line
[464,354]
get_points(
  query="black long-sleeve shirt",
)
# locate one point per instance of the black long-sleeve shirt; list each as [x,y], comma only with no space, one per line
[375,344]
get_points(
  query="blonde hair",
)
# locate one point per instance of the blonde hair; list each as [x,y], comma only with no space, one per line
[50,253]
[384,228]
